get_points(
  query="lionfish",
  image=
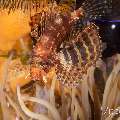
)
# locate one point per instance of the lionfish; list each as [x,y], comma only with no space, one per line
[65,39]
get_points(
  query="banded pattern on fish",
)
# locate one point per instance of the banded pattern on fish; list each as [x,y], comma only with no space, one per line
[79,56]
[64,45]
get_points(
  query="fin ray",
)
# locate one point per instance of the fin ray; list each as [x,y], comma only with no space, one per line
[97,8]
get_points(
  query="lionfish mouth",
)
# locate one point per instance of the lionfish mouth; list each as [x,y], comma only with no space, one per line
[42,76]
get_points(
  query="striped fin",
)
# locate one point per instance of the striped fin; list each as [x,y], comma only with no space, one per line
[79,56]
[93,35]
[92,44]
[41,20]
[38,24]
[86,46]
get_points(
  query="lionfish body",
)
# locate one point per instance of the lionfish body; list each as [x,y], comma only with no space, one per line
[60,43]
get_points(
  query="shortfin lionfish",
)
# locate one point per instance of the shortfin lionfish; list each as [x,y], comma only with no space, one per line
[65,39]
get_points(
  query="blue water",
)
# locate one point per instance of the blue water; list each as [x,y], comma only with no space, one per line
[108,21]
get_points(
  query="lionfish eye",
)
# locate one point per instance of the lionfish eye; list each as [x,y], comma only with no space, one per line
[44,63]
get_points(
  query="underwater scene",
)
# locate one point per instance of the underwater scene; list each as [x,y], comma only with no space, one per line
[59,59]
